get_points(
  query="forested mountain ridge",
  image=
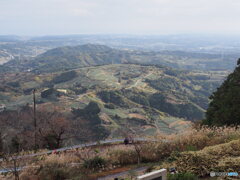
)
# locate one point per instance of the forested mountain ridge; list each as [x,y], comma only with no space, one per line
[69,57]
[64,58]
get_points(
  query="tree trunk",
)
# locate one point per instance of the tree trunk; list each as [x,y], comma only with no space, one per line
[16,175]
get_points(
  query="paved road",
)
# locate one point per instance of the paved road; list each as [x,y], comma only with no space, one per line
[68,148]
[81,146]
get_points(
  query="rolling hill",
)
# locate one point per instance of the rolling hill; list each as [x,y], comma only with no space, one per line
[64,58]
[144,99]
[69,57]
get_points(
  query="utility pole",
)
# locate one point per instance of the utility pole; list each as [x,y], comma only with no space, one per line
[34,120]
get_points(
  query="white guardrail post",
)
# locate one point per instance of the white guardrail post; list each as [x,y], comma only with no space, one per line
[155,175]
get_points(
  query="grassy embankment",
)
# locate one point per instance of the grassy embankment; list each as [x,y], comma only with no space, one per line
[197,151]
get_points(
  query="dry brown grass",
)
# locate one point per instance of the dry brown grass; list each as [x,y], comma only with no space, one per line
[219,158]
[61,159]
[198,140]
[70,163]
[201,137]
[166,145]
[192,139]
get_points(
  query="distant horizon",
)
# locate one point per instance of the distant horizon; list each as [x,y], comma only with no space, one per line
[51,17]
[123,34]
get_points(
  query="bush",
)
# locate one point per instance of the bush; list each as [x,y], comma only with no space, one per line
[219,158]
[95,163]
[173,157]
[182,176]
[199,164]
[53,172]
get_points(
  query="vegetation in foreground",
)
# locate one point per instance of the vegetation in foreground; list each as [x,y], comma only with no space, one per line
[197,152]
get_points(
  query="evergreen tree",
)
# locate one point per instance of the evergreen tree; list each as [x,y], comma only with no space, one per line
[224,108]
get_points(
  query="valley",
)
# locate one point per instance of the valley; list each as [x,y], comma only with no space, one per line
[143,99]
[99,95]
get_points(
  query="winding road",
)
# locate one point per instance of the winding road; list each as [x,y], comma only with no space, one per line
[69,148]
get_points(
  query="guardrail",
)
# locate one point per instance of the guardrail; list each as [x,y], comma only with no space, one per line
[155,175]
[71,148]
[83,145]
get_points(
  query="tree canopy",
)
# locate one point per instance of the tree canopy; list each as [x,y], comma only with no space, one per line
[224,108]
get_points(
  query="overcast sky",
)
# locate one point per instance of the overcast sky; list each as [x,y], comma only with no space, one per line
[49,17]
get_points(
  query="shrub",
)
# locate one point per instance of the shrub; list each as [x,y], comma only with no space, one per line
[53,172]
[199,164]
[173,157]
[95,163]
[219,158]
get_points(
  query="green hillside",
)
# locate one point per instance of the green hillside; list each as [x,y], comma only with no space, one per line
[64,58]
[143,99]
[69,57]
